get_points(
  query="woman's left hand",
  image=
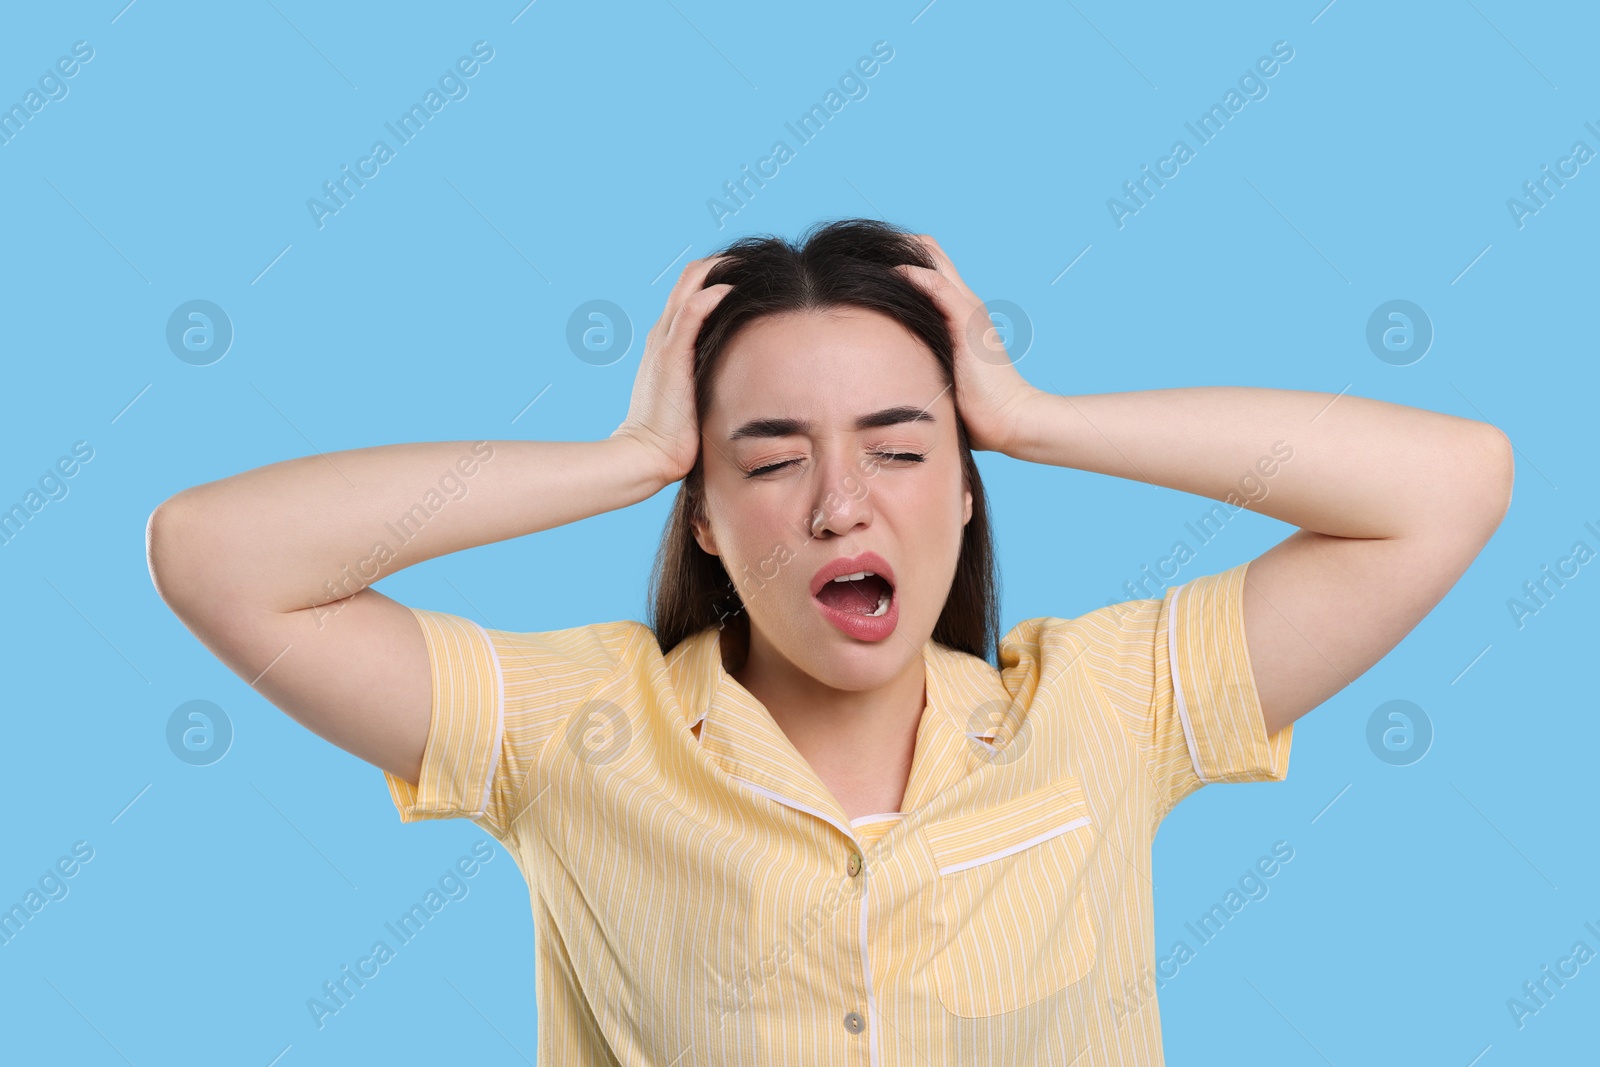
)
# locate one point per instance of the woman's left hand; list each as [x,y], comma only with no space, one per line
[990,395]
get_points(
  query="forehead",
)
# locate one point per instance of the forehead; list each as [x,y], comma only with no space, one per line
[827,365]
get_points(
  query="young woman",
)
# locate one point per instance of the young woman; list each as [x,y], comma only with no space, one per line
[802,817]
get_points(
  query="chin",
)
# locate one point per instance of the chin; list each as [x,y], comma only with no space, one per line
[855,664]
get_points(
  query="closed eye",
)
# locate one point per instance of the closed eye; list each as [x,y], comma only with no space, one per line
[913,457]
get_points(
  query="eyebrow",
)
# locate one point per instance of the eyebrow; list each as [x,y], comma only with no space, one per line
[784,427]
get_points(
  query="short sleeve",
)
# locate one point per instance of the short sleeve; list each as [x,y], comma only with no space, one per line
[497,698]
[1176,671]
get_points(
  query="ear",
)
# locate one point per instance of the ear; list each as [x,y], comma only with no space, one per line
[968,516]
[702,536]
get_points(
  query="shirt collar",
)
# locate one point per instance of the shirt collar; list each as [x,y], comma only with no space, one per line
[968,716]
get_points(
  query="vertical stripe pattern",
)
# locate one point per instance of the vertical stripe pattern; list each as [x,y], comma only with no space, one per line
[700,897]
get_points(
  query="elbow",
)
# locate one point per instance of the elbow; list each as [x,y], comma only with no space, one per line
[1507,472]
[1493,472]
[164,535]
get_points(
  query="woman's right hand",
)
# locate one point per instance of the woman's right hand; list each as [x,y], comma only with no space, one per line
[661,412]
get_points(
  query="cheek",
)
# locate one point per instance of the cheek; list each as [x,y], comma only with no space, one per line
[941,501]
[756,535]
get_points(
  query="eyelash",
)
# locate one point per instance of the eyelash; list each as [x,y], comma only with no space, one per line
[914,457]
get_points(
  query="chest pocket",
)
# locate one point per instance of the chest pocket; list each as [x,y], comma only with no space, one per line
[1013,910]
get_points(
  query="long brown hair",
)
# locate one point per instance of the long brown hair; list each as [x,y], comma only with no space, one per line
[841,263]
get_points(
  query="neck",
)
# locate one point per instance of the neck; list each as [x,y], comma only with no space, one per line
[859,742]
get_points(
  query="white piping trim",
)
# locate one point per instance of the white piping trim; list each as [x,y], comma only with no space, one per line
[1082,820]
[858,820]
[866,961]
[979,738]
[781,799]
[866,971]
[1177,687]
[499,718]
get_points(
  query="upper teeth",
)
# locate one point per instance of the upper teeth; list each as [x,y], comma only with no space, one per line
[857,576]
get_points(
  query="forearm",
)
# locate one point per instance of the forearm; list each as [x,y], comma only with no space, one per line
[307,531]
[1346,467]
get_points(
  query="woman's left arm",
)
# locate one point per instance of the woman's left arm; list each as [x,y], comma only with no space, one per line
[1393,502]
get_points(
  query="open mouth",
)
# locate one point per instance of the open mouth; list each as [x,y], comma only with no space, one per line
[859,594]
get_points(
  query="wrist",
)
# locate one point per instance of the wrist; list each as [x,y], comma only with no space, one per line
[1028,419]
[645,462]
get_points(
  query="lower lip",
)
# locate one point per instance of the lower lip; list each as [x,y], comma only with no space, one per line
[863,627]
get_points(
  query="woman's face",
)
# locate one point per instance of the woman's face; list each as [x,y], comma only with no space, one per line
[788,396]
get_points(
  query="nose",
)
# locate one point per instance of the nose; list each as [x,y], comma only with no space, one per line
[840,502]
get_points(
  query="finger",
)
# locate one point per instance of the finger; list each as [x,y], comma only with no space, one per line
[931,247]
[943,263]
[686,323]
[931,281]
[678,347]
[690,281]
[946,266]
[961,307]
[919,272]
[693,277]
[931,243]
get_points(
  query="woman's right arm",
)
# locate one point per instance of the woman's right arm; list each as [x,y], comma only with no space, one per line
[269,568]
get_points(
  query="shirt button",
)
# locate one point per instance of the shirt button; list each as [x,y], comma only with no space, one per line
[854,864]
[854,1023]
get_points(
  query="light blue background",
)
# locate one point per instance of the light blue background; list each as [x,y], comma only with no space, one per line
[434,307]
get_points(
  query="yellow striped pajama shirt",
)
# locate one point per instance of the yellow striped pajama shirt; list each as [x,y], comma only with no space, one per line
[699,897]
